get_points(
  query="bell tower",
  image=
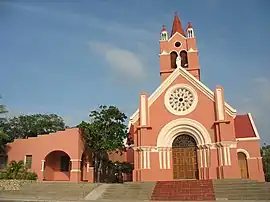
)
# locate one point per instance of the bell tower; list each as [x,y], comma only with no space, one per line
[179,50]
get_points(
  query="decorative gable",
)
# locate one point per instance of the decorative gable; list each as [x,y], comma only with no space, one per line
[179,71]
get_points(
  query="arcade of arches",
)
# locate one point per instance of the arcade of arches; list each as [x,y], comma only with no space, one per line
[57,166]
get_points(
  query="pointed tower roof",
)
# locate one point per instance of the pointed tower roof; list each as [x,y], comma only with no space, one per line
[163,28]
[189,25]
[177,26]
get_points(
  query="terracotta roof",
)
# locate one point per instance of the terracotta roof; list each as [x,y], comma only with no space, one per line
[177,26]
[243,126]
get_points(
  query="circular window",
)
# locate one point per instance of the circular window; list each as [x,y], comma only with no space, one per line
[177,44]
[181,99]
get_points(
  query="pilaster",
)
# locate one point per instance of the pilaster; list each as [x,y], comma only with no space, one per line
[75,172]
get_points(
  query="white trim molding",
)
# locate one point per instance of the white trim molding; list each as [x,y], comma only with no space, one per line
[179,71]
[253,125]
[75,170]
[176,33]
[191,50]
[247,139]
[183,125]
[244,151]
[164,53]
[75,160]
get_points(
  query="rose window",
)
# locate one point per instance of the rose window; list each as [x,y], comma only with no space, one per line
[181,99]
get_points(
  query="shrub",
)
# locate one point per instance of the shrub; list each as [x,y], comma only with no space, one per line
[31,176]
[17,171]
[3,175]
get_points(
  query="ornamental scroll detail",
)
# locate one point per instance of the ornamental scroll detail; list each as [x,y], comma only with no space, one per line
[183,141]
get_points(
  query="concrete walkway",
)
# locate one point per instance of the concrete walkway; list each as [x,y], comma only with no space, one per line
[97,192]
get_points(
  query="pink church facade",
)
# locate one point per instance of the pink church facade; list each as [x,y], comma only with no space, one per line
[182,131]
[186,131]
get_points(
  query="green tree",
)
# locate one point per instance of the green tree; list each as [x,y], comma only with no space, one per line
[265,151]
[3,137]
[104,133]
[32,125]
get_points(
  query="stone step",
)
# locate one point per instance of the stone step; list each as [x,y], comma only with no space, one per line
[127,191]
[50,191]
[184,190]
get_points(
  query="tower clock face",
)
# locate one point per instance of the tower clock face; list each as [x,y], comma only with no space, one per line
[181,99]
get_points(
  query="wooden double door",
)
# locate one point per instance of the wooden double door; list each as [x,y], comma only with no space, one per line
[184,156]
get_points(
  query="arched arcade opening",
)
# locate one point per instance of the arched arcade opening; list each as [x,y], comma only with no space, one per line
[57,166]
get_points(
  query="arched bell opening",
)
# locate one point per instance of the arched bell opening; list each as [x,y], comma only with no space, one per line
[173,56]
[184,58]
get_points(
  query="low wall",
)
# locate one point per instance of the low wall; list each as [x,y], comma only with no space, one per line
[14,184]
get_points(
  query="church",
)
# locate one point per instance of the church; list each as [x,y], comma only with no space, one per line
[184,130]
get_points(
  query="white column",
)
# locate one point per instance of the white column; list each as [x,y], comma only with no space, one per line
[164,159]
[229,155]
[141,158]
[209,156]
[88,167]
[148,158]
[160,158]
[225,156]
[205,157]
[42,165]
[169,158]
[201,157]
[144,159]
[220,156]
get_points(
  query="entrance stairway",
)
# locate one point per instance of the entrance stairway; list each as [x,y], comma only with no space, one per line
[50,191]
[129,191]
[241,189]
[188,190]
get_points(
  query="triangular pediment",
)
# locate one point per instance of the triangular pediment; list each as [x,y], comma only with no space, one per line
[179,71]
[175,34]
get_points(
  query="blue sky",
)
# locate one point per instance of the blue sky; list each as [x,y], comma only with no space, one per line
[67,57]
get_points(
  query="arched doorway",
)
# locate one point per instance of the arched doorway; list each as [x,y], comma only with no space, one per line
[184,156]
[242,161]
[57,166]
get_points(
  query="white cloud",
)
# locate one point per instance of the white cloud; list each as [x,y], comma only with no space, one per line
[106,25]
[120,60]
